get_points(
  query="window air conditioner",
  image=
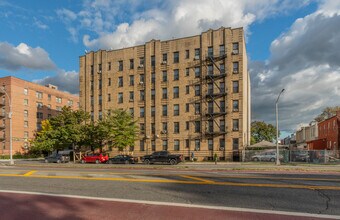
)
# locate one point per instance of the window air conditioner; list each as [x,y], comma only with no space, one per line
[164,62]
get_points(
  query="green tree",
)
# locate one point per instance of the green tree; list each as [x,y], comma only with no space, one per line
[122,129]
[63,130]
[261,131]
[327,113]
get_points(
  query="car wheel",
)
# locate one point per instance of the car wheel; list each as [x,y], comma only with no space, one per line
[83,161]
[46,161]
[147,161]
[272,159]
[97,161]
[127,162]
[256,159]
[173,162]
[58,161]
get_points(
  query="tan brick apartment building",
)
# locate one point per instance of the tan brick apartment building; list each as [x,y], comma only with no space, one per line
[188,95]
[31,103]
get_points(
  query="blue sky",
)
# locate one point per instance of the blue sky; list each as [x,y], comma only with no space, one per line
[291,44]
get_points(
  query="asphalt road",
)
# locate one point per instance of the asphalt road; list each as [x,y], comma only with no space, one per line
[317,194]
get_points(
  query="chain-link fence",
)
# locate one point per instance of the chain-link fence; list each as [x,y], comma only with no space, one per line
[287,156]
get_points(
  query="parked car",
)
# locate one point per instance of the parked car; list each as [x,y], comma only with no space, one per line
[300,156]
[95,158]
[122,159]
[266,156]
[57,158]
[162,157]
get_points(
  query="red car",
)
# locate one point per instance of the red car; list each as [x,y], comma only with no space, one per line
[95,158]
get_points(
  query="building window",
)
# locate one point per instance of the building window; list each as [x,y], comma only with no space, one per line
[176,145]
[197,144]
[235,86]
[70,102]
[25,124]
[222,125]
[49,97]
[153,78]
[210,107]
[131,111]
[187,54]
[164,110]
[132,64]
[210,69]
[176,109]
[235,48]
[222,50]
[92,101]
[58,108]
[165,57]
[120,97]
[176,127]
[25,134]
[197,108]
[187,143]
[40,115]
[141,144]
[109,97]
[49,107]
[153,130]
[39,105]
[235,144]
[164,93]
[25,91]
[141,78]
[235,124]
[235,67]
[153,94]
[197,90]
[197,72]
[197,126]
[131,96]
[176,57]
[210,88]
[153,111]
[142,112]
[187,89]
[120,65]
[58,99]
[235,105]
[142,128]
[222,87]
[187,107]
[153,61]
[164,76]
[39,95]
[91,85]
[25,113]
[109,83]
[132,80]
[222,144]
[25,101]
[222,106]
[210,144]
[210,52]
[165,144]
[141,61]
[187,72]
[92,70]
[100,84]
[141,95]
[100,115]
[109,66]
[99,68]
[120,81]
[176,92]
[187,125]
[210,126]
[164,127]
[197,53]
[176,74]
[222,68]
[100,99]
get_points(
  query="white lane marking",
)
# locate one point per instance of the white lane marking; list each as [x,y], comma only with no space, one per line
[300,214]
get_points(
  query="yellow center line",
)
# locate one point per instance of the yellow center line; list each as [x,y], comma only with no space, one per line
[197,178]
[30,173]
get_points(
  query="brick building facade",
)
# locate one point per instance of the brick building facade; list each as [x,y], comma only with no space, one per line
[329,131]
[188,95]
[31,103]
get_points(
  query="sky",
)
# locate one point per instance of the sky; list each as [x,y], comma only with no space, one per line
[291,44]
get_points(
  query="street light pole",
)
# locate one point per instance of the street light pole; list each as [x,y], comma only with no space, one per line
[277,129]
[10,127]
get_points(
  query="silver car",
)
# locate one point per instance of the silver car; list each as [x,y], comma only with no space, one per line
[266,156]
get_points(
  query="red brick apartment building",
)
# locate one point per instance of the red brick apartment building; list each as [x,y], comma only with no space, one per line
[329,134]
[31,103]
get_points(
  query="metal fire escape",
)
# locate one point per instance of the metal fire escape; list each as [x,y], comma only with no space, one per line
[2,115]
